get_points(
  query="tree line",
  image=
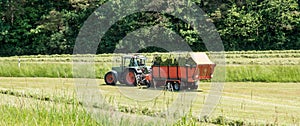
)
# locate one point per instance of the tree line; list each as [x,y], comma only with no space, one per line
[30,27]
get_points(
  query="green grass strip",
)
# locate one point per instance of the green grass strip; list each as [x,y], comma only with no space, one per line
[234,73]
[263,73]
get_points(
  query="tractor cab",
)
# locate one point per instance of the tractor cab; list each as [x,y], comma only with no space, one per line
[135,61]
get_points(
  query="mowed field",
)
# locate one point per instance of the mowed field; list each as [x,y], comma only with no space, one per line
[43,92]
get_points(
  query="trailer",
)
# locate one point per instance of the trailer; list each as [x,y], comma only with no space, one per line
[182,73]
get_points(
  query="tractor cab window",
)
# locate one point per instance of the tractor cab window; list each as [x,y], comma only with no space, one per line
[142,62]
[133,62]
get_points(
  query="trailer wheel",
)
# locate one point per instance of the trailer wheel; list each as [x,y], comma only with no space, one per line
[169,86]
[176,86]
[110,78]
[130,78]
[193,86]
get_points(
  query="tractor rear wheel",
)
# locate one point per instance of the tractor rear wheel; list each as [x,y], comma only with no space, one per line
[130,77]
[110,78]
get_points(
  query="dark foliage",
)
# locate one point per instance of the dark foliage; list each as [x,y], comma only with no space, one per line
[31,27]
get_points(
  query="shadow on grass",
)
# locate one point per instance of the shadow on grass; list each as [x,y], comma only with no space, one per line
[160,88]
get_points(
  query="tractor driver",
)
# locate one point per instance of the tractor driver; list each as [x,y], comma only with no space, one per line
[133,62]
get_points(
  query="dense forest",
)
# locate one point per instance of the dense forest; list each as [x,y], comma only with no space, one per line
[31,27]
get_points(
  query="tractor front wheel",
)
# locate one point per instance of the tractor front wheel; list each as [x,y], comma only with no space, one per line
[110,78]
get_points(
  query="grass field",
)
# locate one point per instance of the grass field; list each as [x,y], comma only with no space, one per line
[262,88]
[241,66]
[52,101]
